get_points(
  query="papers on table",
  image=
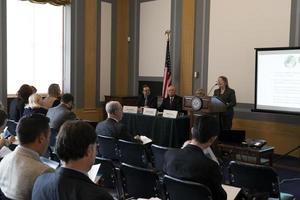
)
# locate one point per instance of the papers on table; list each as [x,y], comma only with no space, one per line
[231,191]
[145,139]
[94,172]
[4,151]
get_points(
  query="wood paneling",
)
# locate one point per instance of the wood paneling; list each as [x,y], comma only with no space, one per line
[92,115]
[187,47]
[283,137]
[121,73]
[90,54]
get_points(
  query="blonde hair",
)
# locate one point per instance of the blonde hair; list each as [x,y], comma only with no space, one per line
[54,90]
[34,101]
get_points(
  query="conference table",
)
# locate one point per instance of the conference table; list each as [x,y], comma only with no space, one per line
[163,131]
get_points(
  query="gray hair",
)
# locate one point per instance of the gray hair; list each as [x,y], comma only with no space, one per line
[112,107]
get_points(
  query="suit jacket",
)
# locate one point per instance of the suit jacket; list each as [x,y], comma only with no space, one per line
[67,184]
[112,128]
[29,111]
[228,97]
[151,101]
[191,164]
[58,115]
[16,109]
[176,104]
[19,171]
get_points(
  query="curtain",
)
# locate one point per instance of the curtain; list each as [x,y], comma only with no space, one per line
[53,2]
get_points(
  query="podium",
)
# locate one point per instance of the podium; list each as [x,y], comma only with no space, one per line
[210,106]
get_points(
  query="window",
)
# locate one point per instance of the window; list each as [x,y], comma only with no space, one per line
[34,45]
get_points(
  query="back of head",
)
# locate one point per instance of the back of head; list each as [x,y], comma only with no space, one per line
[34,100]
[205,128]
[3,117]
[73,140]
[31,127]
[67,98]
[54,90]
[112,107]
[24,92]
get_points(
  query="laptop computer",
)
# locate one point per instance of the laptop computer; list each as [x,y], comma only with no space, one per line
[232,136]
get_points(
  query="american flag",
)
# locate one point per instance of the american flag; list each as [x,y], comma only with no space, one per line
[167,72]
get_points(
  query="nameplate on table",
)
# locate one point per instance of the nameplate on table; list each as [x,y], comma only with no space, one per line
[150,111]
[130,109]
[170,114]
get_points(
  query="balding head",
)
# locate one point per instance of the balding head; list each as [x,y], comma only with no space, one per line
[171,91]
[114,110]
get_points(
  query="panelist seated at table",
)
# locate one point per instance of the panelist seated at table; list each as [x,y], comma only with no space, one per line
[112,126]
[146,99]
[172,102]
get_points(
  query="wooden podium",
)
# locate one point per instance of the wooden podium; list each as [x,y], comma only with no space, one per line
[210,106]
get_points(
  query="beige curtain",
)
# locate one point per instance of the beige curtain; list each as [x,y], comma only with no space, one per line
[53,2]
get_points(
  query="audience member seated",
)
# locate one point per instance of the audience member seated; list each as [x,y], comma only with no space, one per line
[200,92]
[17,105]
[190,163]
[61,113]
[3,141]
[20,168]
[76,147]
[34,105]
[172,102]
[53,98]
[111,126]
[146,99]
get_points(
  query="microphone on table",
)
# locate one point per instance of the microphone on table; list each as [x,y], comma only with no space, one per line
[212,87]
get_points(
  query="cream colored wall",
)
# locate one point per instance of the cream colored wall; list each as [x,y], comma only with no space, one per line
[152,50]
[236,28]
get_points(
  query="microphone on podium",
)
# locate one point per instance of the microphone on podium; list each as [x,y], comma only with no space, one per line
[212,87]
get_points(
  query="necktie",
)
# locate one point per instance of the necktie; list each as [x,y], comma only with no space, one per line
[171,100]
[146,101]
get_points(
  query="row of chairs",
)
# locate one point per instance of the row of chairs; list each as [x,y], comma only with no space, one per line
[256,181]
[132,153]
[130,181]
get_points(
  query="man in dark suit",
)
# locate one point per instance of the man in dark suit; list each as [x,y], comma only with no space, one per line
[76,146]
[61,113]
[172,102]
[111,126]
[190,163]
[146,99]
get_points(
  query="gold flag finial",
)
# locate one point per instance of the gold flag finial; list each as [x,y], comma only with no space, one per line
[168,33]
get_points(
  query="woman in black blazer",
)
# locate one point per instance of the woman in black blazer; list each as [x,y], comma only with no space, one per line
[228,96]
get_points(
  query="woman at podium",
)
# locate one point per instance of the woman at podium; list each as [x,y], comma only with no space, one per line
[228,96]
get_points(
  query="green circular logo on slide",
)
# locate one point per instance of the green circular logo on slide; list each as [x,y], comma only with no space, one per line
[290,62]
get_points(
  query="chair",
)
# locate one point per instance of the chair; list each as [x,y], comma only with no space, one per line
[109,177]
[133,153]
[180,189]
[139,182]
[256,180]
[107,147]
[159,155]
